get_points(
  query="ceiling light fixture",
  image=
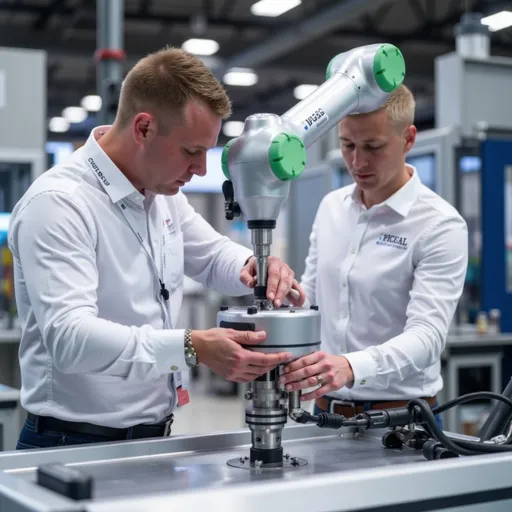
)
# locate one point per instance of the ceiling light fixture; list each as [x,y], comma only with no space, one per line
[75,114]
[498,21]
[58,125]
[233,128]
[201,46]
[273,8]
[303,91]
[91,103]
[240,76]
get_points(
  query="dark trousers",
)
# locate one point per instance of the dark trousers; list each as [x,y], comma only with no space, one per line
[42,432]
[30,438]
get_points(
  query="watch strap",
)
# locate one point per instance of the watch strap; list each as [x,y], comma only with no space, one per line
[190,351]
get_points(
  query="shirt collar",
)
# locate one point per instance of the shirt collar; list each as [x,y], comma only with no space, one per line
[115,183]
[401,201]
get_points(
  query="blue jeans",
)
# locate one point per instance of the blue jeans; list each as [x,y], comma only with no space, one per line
[438,418]
[30,438]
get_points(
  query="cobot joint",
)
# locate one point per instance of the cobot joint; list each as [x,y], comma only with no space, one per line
[259,166]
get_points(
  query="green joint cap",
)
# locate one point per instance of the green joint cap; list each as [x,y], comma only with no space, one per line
[224,158]
[287,156]
[389,67]
[329,69]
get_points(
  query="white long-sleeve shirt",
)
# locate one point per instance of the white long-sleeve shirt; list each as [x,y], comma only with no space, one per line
[387,281]
[99,342]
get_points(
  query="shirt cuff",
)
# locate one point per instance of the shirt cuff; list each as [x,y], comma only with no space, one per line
[169,347]
[364,368]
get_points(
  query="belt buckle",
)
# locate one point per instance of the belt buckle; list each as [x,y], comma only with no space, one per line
[343,403]
[167,428]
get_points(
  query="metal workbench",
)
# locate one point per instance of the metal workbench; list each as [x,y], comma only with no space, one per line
[345,472]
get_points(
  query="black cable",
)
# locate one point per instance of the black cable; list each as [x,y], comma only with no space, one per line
[469,398]
[458,446]
[427,416]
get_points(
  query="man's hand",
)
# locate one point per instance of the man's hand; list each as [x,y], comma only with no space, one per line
[280,281]
[221,350]
[328,372]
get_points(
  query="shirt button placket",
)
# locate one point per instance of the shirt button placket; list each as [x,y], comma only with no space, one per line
[355,244]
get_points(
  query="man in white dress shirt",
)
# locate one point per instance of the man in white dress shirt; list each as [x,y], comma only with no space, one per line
[101,244]
[386,266]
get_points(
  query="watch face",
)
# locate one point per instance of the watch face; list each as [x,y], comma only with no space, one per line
[191,360]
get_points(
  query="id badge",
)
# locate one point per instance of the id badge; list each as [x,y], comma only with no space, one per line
[181,383]
[183,397]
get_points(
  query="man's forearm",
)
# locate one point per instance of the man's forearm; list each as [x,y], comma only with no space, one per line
[82,343]
[404,355]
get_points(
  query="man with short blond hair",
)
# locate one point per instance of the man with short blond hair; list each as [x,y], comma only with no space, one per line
[101,244]
[386,266]
[400,108]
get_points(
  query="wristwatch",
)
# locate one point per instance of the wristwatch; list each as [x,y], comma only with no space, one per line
[190,351]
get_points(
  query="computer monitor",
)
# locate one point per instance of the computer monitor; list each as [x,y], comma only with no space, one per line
[4,225]
[58,152]
[15,179]
[426,167]
[212,182]
[470,163]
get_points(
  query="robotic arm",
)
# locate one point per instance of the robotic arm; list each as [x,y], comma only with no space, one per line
[271,152]
[259,166]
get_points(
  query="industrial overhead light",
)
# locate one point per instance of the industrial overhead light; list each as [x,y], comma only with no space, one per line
[303,91]
[273,8]
[240,76]
[58,125]
[201,46]
[91,103]
[75,114]
[233,128]
[498,21]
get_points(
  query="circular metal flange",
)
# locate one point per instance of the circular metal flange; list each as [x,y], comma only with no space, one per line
[288,463]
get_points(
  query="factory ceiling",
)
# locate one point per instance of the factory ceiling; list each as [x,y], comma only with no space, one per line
[284,51]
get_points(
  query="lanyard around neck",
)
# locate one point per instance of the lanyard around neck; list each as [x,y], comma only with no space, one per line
[159,261]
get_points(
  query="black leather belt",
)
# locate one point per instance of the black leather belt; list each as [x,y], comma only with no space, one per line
[43,423]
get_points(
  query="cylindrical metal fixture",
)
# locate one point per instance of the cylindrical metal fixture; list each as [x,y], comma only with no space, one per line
[266,418]
[289,329]
[472,38]
[294,330]
[261,242]
[294,400]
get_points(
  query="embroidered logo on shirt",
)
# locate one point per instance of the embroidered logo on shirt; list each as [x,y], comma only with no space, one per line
[399,242]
